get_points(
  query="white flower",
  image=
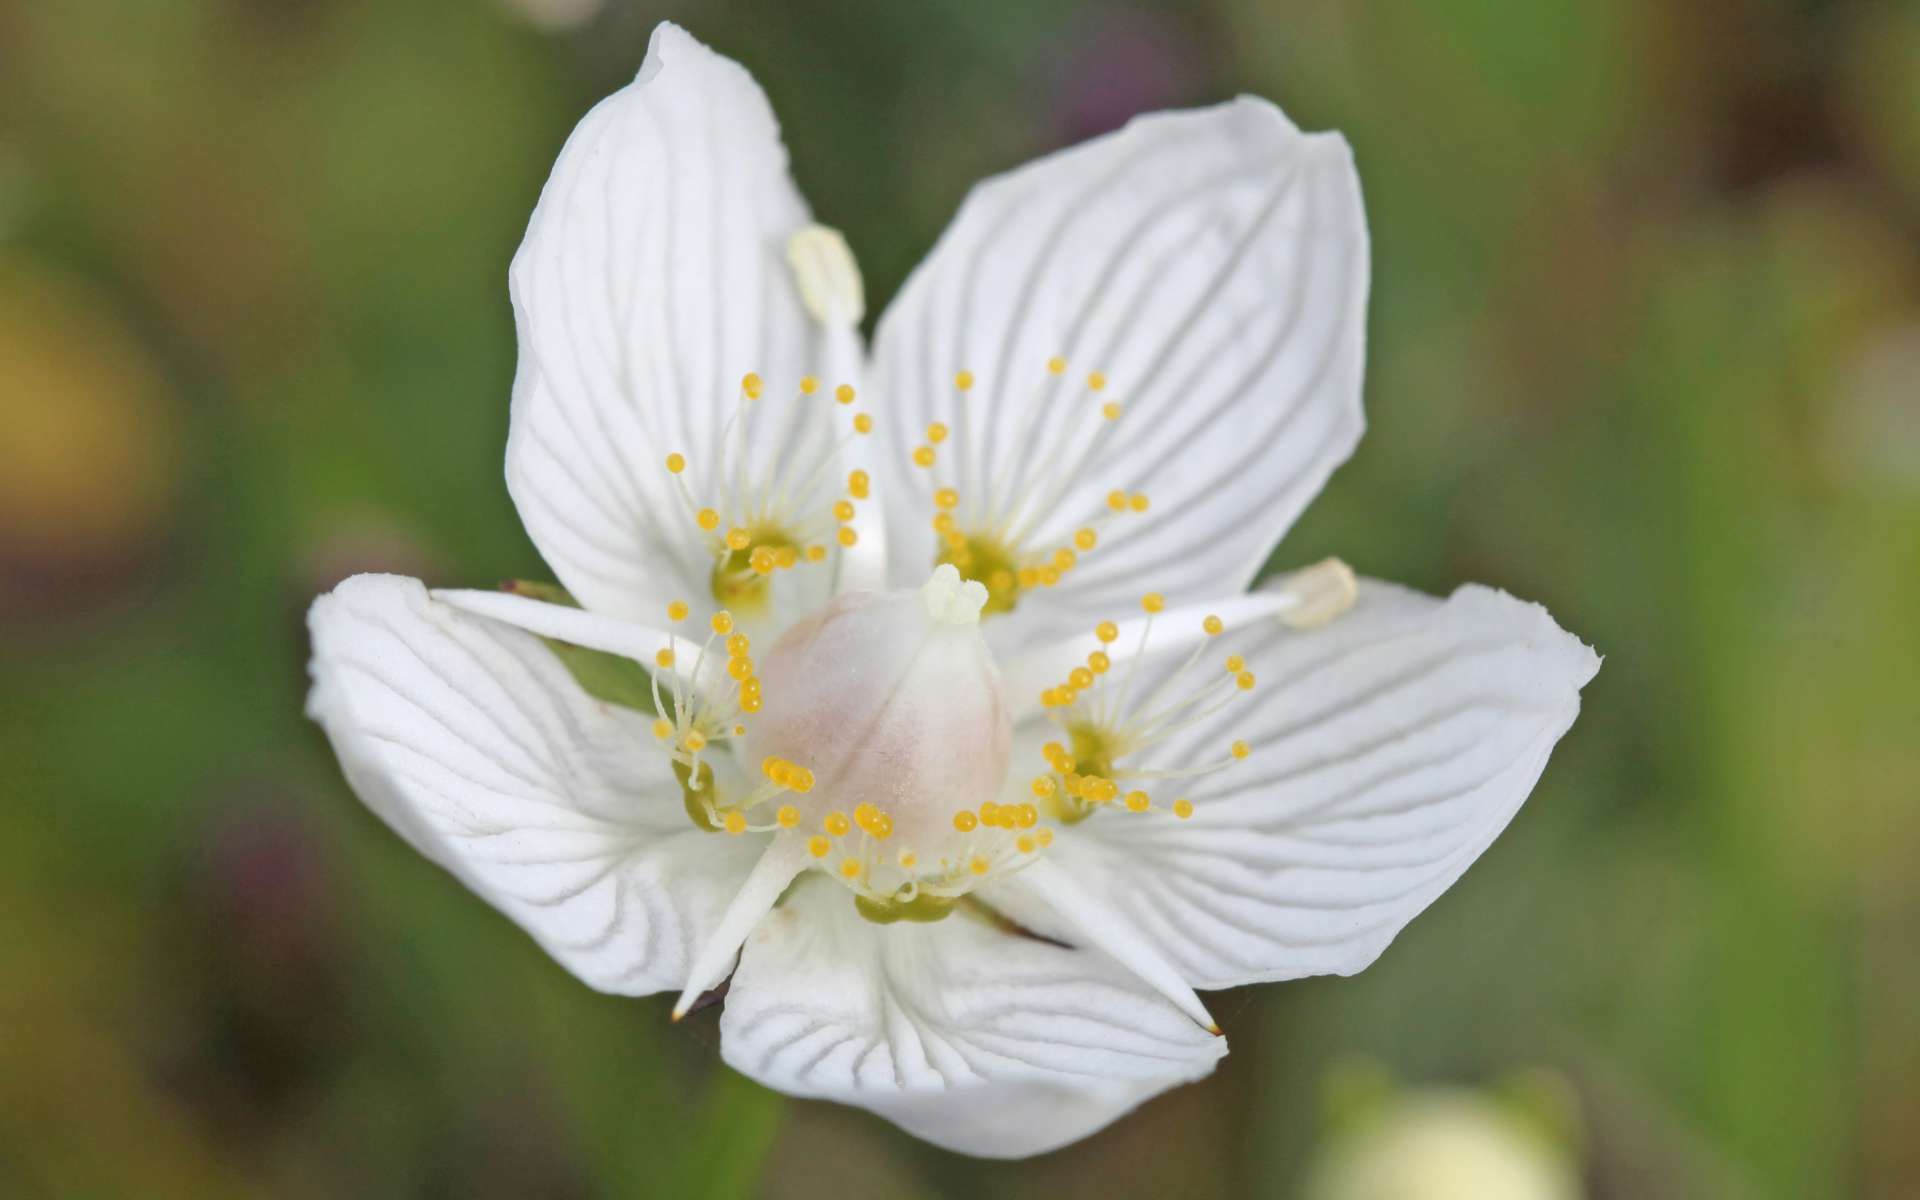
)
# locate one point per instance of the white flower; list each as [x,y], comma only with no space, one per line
[859,785]
[1446,1144]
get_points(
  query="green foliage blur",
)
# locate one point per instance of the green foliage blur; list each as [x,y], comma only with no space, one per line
[1645,346]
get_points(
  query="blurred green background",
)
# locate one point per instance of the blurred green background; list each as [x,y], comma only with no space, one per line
[1645,346]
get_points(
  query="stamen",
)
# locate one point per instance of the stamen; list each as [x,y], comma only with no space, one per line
[1108,734]
[762,518]
[989,531]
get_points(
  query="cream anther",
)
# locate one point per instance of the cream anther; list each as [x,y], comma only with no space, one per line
[951,600]
[1321,592]
[827,275]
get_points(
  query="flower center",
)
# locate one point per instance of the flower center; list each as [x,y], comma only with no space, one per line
[1007,528]
[888,708]
[766,505]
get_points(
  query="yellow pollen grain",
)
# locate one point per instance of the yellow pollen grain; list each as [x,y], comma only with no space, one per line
[936,433]
[923,456]
[1096,381]
[808,385]
[844,393]
[818,846]
[989,814]
[1086,539]
[677,611]
[1137,502]
[663,658]
[1235,664]
[965,821]
[1117,501]
[816,553]
[1107,632]
[843,510]
[741,669]
[882,827]
[963,380]
[1081,678]
[738,645]
[864,814]
[750,701]
[722,622]
[1138,801]
[1099,663]
[1153,602]
[862,423]
[908,859]
[946,498]
[859,484]
[836,824]
[850,868]
[1214,626]
[847,535]
[1183,808]
[738,539]
[763,560]
[786,556]
[1064,559]
[1110,410]
[695,741]
[1044,837]
[1044,786]
[751,384]
[1244,681]
[979,866]
[1026,816]
[733,822]
[1024,844]
[707,519]
[676,462]
[1056,365]
[662,728]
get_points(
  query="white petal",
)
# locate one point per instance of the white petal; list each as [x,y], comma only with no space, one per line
[653,277]
[1099,927]
[975,1039]
[785,857]
[1213,265]
[472,740]
[1389,748]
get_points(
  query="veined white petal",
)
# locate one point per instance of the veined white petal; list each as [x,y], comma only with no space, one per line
[1388,749]
[975,1039]
[1212,265]
[471,740]
[1087,914]
[653,278]
[785,857]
